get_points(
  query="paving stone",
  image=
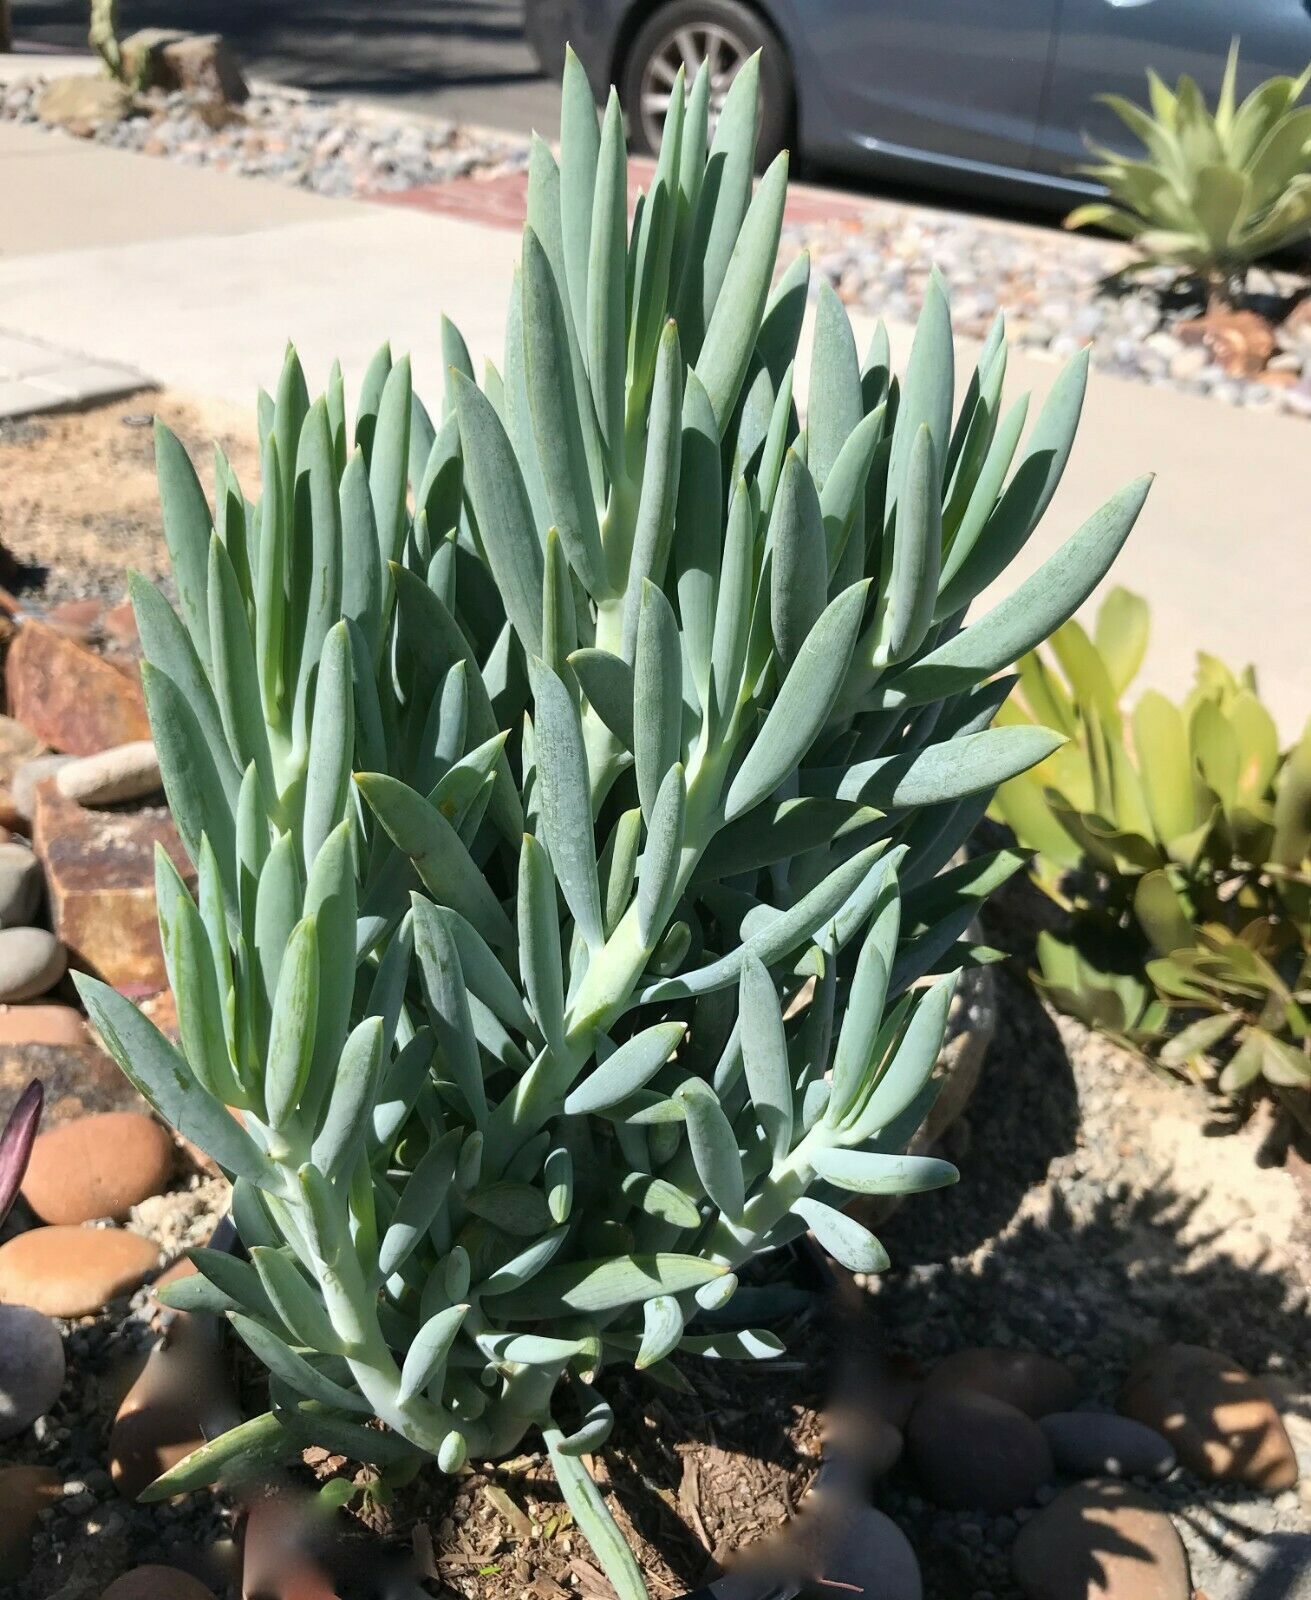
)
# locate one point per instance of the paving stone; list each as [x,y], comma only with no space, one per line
[68,696]
[20,398]
[23,358]
[78,1078]
[100,877]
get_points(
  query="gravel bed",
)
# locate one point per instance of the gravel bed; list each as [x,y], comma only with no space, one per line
[330,146]
[92,1534]
[1048,286]
[1095,1218]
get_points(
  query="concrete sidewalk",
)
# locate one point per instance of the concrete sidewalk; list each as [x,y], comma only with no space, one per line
[197,278]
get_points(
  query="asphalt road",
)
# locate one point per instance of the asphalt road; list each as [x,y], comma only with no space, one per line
[465,59]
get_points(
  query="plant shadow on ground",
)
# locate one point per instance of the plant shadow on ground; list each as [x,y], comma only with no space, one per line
[1067,1236]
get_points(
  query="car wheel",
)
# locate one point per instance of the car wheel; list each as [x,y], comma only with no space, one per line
[722,33]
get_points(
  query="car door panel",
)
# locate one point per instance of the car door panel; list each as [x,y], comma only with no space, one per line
[1106,46]
[959,82]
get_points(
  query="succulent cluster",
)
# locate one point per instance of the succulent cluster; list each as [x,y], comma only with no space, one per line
[573,784]
[1179,837]
[1215,191]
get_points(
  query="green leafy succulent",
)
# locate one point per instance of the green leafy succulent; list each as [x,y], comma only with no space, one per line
[572,784]
[1179,837]
[1216,191]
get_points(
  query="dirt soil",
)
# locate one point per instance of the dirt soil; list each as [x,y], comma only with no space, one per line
[79,507]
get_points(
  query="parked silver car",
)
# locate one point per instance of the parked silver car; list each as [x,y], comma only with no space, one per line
[969,94]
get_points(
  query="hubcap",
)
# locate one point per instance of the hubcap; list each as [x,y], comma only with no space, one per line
[687,47]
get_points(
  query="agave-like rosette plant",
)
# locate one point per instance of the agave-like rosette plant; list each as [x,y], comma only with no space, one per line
[572,783]
[1215,191]
[1179,838]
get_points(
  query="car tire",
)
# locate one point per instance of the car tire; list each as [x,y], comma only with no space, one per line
[648,64]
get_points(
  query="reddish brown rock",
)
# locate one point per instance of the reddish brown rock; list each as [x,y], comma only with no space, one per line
[1222,1422]
[1101,1541]
[1035,1384]
[274,1561]
[42,1024]
[162,1009]
[120,623]
[25,1492]
[99,1166]
[974,1453]
[75,619]
[17,746]
[182,1398]
[68,697]
[100,877]
[78,1078]
[70,1272]
[1239,341]
[157,1583]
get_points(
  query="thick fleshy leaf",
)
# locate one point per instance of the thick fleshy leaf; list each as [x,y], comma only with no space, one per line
[566,799]
[726,353]
[561,449]
[607,681]
[658,878]
[293,1369]
[803,705]
[159,1072]
[798,560]
[657,695]
[420,830]
[714,1146]
[354,1090]
[421,1200]
[1026,616]
[447,998]
[627,1070]
[780,935]
[765,1055]
[187,526]
[845,1239]
[662,1330]
[295,1015]
[606,343]
[864,1172]
[608,1285]
[967,764]
[501,509]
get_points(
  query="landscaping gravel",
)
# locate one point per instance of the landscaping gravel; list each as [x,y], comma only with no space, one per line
[1096,1218]
[333,147]
[1047,283]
